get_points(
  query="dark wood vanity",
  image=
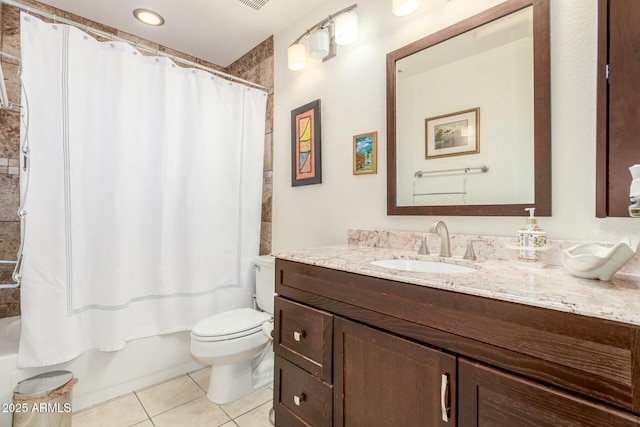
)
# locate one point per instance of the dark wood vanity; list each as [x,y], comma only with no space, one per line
[356,350]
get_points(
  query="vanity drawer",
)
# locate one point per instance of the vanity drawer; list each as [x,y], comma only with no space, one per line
[304,336]
[301,399]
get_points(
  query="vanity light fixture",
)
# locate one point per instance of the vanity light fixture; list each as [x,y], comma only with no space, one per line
[341,28]
[405,7]
[319,43]
[297,55]
[148,17]
[346,29]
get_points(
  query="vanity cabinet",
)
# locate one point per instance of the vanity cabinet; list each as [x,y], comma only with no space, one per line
[394,353]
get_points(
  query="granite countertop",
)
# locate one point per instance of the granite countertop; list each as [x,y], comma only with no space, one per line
[547,287]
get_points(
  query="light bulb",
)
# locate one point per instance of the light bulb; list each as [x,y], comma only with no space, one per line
[405,7]
[296,55]
[319,43]
[346,28]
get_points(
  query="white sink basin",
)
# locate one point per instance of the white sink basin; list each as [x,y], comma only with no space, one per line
[423,266]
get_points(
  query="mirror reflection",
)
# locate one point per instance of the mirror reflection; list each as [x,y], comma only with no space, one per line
[464,118]
[469,116]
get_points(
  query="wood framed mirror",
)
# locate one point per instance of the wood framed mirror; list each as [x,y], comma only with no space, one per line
[618,105]
[469,117]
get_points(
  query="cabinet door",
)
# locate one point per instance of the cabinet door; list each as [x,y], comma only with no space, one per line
[385,380]
[489,397]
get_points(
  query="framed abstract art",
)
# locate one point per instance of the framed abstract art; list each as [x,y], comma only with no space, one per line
[306,166]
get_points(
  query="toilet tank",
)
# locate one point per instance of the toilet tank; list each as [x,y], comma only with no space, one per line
[265,282]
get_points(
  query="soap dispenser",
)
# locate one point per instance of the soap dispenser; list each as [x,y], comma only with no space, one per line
[531,239]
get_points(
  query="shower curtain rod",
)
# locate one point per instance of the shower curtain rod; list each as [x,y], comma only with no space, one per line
[86,28]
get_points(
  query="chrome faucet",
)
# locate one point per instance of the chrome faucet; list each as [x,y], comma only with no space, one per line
[440,228]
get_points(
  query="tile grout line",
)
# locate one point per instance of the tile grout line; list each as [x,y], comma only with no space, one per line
[135,393]
[170,409]
[231,420]
[192,379]
[248,410]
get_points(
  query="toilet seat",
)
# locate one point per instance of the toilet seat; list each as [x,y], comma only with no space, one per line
[229,325]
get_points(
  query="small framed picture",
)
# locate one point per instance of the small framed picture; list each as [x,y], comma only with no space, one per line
[306,166]
[453,134]
[365,153]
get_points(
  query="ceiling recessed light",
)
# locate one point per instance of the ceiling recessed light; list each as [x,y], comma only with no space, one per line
[148,17]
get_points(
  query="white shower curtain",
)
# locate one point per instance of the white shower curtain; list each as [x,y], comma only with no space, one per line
[143,206]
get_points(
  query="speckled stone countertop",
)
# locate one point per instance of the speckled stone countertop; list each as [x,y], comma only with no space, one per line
[547,287]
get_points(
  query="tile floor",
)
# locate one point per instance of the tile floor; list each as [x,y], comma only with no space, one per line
[178,402]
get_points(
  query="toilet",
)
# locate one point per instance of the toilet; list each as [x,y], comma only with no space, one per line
[237,343]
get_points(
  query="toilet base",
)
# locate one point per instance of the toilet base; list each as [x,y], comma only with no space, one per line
[229,383]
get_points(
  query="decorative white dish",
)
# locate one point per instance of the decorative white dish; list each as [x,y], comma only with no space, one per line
[594,261]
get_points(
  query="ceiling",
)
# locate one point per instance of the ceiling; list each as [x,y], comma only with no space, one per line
[218,31]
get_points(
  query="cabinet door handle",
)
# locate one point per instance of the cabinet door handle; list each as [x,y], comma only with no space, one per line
[444,394]
[299,335]
[299,399]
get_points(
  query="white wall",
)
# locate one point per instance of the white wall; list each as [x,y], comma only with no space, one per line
[352,88]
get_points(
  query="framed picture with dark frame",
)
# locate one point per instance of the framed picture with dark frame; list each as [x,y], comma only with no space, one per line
[306,138]
[365,152]
[453,134]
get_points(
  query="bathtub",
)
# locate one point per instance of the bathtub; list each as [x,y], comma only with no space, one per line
[101,375]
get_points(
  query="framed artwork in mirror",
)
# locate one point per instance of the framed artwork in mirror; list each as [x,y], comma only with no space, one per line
[365,153]
[453,134]
[306,167]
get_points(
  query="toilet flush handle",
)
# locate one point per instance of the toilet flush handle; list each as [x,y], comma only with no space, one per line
[299,335]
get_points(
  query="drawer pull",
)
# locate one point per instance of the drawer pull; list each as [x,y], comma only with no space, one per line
[299,335]
[299,399]
[444,404]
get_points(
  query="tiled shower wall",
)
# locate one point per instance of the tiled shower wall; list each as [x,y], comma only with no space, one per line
[256,66]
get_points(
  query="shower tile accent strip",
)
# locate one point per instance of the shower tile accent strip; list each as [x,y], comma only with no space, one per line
[9,166]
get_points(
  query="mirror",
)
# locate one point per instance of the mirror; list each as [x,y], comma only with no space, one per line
[468,117]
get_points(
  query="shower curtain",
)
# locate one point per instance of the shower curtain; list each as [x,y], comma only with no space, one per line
[144,195]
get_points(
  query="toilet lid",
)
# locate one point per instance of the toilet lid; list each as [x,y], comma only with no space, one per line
[230,324]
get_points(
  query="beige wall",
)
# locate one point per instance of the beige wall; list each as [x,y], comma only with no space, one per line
[255,66]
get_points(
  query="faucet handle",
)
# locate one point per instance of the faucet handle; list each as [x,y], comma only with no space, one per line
[470,253]
[424,250]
